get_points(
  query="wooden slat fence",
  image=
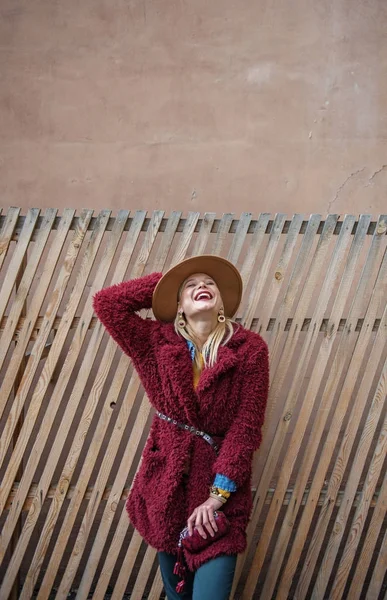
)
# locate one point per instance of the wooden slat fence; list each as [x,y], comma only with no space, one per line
[74,416]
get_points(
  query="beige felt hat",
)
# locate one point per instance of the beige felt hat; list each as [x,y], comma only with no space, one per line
[225,275]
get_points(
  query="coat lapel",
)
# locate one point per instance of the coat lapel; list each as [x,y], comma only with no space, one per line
[227,359]
[177,366]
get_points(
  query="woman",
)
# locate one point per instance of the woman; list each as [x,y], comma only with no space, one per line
[202,373]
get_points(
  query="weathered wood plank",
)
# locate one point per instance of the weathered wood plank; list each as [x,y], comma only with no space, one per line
[368,548]
[141,578]
[157,587]
[6,233]
[184,241]
[221,235]
[239,238]
[262,271]
[204,233]
[121,532]
[17,258]
[254,247]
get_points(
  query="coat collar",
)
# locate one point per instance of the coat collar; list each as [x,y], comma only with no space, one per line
[176,359]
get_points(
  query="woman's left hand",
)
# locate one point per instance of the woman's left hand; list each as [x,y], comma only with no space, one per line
[203,515]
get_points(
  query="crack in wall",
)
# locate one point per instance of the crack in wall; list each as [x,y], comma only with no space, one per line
[331,202]
[376,173]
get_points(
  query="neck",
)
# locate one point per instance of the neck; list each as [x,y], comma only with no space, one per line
[202,329]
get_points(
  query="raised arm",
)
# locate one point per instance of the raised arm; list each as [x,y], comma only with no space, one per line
[116,308]
[244,436]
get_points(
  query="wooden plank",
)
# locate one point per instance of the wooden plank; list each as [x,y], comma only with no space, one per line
[17,259]
[254,247]
[263,270]
[369,487]
[157,586]
[166,241]
[287,307]
[83,426]
[368,548]
[141,580]
[278,274]
[379,573]
[221,235]
[204,233]
[125,571]
[319,423]
[356,408]
[7,232]
[333,544]
[48,417]
[182,247]
[38,349]
[34,307]
[239,237]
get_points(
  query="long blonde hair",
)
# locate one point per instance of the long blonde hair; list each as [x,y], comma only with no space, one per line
[218,337]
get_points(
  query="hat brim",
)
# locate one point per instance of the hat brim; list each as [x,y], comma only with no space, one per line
[225,275]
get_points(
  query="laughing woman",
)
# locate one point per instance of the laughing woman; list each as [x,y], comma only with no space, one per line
[207,377]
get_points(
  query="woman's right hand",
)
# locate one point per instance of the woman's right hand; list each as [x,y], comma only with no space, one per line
[203,518]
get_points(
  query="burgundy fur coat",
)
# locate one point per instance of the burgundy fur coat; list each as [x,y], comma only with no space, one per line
[229,401]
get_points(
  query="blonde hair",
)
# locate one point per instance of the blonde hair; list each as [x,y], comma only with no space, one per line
[218,337]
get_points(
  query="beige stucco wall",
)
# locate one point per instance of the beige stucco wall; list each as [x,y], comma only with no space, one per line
[221,105]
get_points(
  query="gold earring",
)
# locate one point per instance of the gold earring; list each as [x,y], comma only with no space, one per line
[221,317]
[181,322]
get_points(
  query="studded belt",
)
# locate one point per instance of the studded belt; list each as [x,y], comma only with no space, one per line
[205,436]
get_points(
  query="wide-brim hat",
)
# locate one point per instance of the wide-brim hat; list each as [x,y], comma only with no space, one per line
[225,275]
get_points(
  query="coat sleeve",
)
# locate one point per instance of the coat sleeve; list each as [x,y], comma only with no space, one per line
[116,308]
[244,436]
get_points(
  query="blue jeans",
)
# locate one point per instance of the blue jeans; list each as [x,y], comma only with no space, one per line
[211,580]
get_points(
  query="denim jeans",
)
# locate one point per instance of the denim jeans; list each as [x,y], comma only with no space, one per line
[211,580]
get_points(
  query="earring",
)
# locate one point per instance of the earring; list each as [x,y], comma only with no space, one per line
[181,322]
[221,317]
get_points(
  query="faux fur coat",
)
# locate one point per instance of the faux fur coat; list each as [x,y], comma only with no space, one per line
[229,401]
